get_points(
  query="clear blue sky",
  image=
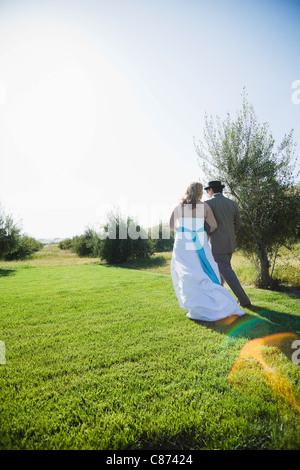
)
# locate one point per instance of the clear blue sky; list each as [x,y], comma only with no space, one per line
[100,101]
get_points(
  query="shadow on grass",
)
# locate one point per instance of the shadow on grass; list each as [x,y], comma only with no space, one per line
[149,262]
[7,272]
[258,325]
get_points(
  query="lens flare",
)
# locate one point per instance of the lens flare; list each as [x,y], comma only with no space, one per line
[251,327]
[277,381]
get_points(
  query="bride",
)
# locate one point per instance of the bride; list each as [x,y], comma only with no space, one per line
[195,273]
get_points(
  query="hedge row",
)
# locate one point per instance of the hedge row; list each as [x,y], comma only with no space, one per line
[120,240]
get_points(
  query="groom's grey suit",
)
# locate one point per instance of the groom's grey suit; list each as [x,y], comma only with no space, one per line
[222,241]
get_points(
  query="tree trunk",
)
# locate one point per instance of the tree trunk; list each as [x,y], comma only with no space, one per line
[264,280]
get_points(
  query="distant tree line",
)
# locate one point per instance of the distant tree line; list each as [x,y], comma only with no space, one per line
[120,239]
[15,245]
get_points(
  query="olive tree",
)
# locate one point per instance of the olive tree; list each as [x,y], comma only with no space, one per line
[9,235]
[122,239]
[13,244]
[261,178]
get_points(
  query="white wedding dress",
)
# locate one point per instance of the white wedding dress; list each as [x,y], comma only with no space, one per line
[196,277]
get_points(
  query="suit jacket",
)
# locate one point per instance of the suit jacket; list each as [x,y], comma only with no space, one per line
[227,215]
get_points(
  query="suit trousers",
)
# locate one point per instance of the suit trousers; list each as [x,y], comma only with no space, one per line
[223,261]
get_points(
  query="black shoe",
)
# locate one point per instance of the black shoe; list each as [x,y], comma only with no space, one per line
[249,305]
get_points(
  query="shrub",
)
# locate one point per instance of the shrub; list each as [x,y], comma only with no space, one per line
[163,244]
[85,245]
[65,244]
[9,236]
[26,247]
[121,239]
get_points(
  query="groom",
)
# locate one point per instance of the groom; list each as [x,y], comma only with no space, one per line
[222,240]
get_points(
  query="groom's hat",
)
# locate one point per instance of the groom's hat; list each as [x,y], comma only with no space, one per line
[214,184]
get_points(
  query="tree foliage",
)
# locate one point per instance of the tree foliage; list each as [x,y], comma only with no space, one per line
[26,247]
[122,239]
[84,245]
[261,178]
[13,244]
[9,235]
[163,242]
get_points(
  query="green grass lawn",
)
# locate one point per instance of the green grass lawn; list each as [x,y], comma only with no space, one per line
[102,357]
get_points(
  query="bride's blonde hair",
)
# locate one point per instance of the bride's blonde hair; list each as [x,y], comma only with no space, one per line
[193,193]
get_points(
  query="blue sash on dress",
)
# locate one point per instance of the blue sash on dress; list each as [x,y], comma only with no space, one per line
[207,268]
